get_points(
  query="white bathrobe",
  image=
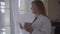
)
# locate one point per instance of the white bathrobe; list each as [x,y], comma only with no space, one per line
[42,25]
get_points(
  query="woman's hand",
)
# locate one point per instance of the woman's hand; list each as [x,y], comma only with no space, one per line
[21,26]
[28,27]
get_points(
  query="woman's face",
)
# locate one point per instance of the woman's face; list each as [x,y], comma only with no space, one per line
[35,9]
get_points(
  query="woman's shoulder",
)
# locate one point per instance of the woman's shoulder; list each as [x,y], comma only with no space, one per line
[42,17]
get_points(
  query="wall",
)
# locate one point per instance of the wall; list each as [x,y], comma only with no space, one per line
[46,5]
[53,9]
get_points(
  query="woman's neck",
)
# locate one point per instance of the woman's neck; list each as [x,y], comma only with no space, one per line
[36,15]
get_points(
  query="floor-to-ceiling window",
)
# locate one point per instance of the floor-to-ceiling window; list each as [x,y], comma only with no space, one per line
[2,16]
[5,17]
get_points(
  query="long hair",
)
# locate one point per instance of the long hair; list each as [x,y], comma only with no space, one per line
[40,5]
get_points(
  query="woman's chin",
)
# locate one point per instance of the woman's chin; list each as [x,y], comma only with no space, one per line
[33,13]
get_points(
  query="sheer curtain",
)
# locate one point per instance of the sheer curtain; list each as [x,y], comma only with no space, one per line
[24,13]
[20,12]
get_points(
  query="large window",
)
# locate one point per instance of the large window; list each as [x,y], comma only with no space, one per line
[5,12]
[2,9]
[5,18]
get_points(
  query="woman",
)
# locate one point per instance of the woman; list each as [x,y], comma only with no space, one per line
[41,24]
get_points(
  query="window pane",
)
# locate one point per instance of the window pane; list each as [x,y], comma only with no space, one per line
[2,6]
[21,6]
[3,10]
[2,3]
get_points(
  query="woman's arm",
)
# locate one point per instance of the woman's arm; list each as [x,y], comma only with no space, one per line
[28,27]
[21,26]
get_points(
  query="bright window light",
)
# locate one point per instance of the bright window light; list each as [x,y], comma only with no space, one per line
[3,29]
[4,33]
[2,7]
[2,10]
[21,32]
[19,3]
[2,3]
[21,7]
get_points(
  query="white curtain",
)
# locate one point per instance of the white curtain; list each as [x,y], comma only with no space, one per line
[13,16]
[16,18]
